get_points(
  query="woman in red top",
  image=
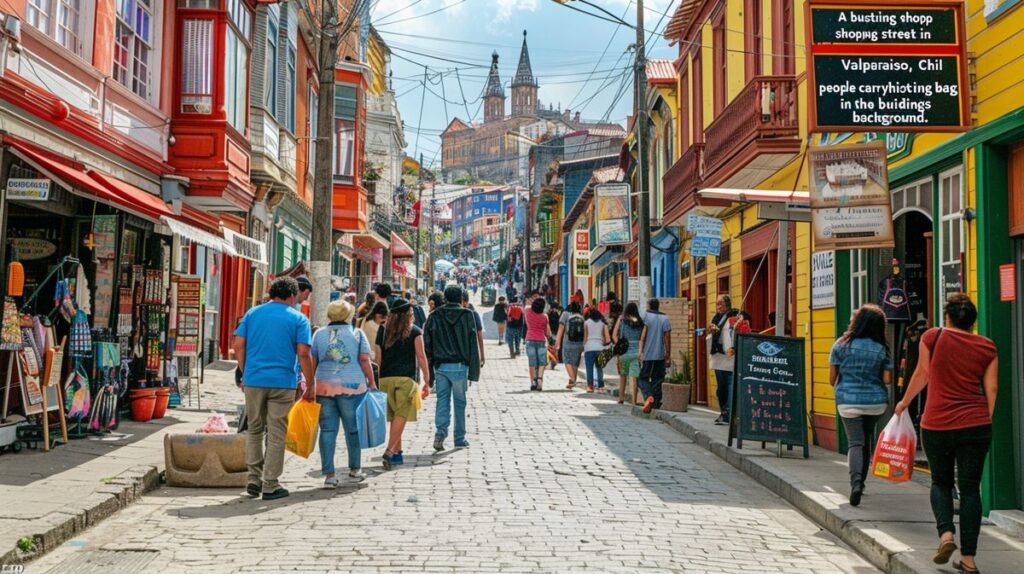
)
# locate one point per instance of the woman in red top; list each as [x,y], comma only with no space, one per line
[538,331]
[961,371]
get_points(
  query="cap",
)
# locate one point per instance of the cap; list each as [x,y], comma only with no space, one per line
[399,304]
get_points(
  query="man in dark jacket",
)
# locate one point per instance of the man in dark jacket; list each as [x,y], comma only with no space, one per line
[449,339]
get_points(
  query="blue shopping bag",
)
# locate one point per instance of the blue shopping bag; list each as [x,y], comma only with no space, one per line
[372,419]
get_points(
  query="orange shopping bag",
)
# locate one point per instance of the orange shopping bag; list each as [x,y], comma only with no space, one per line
[894,454]
[303,423]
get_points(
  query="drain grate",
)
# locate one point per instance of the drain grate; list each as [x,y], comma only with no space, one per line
[106,561]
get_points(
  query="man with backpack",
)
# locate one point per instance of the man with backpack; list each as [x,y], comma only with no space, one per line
[570,341]
[514,328]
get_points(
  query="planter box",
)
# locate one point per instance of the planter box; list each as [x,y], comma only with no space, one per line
[675,398]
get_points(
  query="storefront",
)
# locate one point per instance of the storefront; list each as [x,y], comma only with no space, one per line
[665,262]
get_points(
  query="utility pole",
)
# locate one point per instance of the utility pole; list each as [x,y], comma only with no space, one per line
[644,215]
[322,241]
[430,254]
[419,232]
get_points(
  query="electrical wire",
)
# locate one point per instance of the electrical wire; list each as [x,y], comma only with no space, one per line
[603,52]
[441,9]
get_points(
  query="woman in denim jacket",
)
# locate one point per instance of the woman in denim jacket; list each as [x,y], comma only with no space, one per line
[860,369]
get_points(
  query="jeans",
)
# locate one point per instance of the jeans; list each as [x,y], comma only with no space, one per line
[590,358]
[267,414]
[451,384]
[860,438]
[724,391]
[537,353]
[963,450]
[514,337]
[652,375]
[341,408]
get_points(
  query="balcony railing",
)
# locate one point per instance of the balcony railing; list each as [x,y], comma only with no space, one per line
[380,221]
[764,109]
[682,181]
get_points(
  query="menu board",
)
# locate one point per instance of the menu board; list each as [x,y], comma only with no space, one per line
[187,314]
[769,391]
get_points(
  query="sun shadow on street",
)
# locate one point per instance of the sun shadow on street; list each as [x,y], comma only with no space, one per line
[245,506]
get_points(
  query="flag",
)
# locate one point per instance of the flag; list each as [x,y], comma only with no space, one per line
[415,214]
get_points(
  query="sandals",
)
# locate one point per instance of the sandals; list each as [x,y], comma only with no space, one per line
[571,385]
[959,567]
[946,549]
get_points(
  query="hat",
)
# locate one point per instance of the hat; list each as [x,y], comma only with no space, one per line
[304,283]
[340,310]
[399,305]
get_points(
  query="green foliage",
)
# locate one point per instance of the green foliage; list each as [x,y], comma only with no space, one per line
[26,544]
[502,266]
[682,373]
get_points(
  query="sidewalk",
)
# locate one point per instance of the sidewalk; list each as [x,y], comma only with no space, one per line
[893,527]
[51,497]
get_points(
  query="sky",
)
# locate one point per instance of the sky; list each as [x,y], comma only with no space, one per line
[581,62]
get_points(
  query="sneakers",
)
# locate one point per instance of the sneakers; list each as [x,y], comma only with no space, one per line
[533,385]
[330,483]
[540,384]
[253,490]
[396,459]
[648,405]
[356,475]
[279,493]
[438,444]
[462,443]
[386,459]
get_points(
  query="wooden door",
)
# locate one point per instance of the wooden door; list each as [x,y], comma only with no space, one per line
[701,359]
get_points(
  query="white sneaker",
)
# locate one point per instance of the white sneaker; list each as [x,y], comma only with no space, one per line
[331,482]
[356,475]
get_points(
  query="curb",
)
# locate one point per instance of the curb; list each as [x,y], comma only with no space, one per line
[59,527]
[884,552]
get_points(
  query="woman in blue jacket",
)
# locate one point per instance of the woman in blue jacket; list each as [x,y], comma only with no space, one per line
[860,368]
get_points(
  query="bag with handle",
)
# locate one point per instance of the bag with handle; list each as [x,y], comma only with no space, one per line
[894,454]
[371,419]
[303,423]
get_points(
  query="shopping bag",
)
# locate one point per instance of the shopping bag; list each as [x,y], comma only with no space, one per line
[303,423]
[894,454]
[604,357]
[371,419]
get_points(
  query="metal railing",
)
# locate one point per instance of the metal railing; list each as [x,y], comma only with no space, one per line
[765,108]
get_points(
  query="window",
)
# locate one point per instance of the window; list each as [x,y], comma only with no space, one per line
[859,293]
[197,66]
[133,45]
[270,67]
[344,149]
[345,101]
[236,98]
[58,19]
[783,47]
[311,124]
[289,91]
[951,230]
[752,40]
[914,197]
[719,61]
[697,95]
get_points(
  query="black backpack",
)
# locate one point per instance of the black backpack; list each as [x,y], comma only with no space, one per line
[574,330]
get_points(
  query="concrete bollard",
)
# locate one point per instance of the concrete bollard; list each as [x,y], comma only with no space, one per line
[205,460]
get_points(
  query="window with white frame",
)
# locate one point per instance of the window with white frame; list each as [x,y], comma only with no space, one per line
[236,68]
[951,230]
[270,65]
[197,66]
[312,111]
[133,45]
[346,98]
[859,292]
[289,90]
[916,196]
[61,20]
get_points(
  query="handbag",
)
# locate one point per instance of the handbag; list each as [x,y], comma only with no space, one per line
[605,356]
[621,346]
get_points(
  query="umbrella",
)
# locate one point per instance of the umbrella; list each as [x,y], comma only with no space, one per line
[443,266]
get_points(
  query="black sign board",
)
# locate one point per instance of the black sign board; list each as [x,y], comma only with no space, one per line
[898,66]
[769,389]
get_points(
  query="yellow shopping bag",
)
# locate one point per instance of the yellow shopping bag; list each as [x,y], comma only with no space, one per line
[303,422]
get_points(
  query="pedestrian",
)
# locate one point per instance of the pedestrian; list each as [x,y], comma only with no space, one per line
[720,341]
[554,315]
[341,358]
[961,370]
[655,354]
[449,340]
[302,303]
[614,308]
[569,341]
[268,342]
[630,326]
[419,315]
[383,293]
[595,339]
[369,326]
[860,368]
[364,309]
[538,331]
[515,327]
[499,316]
[435,301]
[478,320]
[401,351]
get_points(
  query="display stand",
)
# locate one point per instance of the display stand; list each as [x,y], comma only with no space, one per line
[187,323]
[54,360]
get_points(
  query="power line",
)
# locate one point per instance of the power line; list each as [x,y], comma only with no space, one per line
[441,9]
[605,51]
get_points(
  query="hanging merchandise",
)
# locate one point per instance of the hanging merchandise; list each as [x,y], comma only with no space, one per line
[62,300]
[11,337]
[83,294]
[76,393]
[15,279]
[104,412]
[81,336]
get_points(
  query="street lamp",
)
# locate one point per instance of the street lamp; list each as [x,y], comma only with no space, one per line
[643,217]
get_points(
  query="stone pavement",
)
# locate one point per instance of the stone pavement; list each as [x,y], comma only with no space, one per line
[554,481]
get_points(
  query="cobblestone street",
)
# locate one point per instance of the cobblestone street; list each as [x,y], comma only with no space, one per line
[553,481]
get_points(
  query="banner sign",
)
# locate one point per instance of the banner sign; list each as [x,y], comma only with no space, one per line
[899,66]
[581,255]
[707,238]
[247,247]
[849,194]
[19,189]
[823,280]
[613,222]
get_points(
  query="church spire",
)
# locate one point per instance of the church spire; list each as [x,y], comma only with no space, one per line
[524,74]
[524,86]
[493,80]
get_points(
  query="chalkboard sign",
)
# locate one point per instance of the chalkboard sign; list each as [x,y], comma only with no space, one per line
[768,391]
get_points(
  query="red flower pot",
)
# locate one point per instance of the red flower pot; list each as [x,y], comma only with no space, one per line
[163,397]
[143,403]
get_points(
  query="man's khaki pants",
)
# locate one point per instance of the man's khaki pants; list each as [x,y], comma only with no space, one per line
[267,411]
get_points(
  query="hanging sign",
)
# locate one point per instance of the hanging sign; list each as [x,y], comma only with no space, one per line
[1008,282]
[613,222]
[582,253]
[20,189]
[849,195]
[823,280]
[30,248]
[104,236]
[898,66]
[707,235]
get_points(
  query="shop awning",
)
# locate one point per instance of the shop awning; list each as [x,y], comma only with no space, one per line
[370,240]
[756,195]
[92,184]
[247,247]
[199,236]
[400,249]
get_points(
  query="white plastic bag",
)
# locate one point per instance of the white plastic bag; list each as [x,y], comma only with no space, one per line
[894,454]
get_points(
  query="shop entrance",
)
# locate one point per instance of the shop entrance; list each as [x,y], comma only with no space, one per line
[701,344]
[758,302]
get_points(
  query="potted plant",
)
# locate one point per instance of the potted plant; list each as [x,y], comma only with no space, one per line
[675,391]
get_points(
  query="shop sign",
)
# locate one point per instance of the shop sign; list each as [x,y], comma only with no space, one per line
[247,247]
[613,223]
[823,280]
[707,235]
[104,233]
[30,248]
[1008,282]
[849,196]
[20,189]
[582,253]
[899,66]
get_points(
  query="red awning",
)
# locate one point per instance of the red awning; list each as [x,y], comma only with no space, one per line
[102,187]
[400,249]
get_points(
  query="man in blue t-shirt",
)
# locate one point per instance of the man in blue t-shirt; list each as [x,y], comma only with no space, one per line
[655,354]
[267,343]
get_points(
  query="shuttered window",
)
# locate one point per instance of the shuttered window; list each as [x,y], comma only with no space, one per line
[311,124]
[197,66]
[270,66]
[345,101]
[289,91]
